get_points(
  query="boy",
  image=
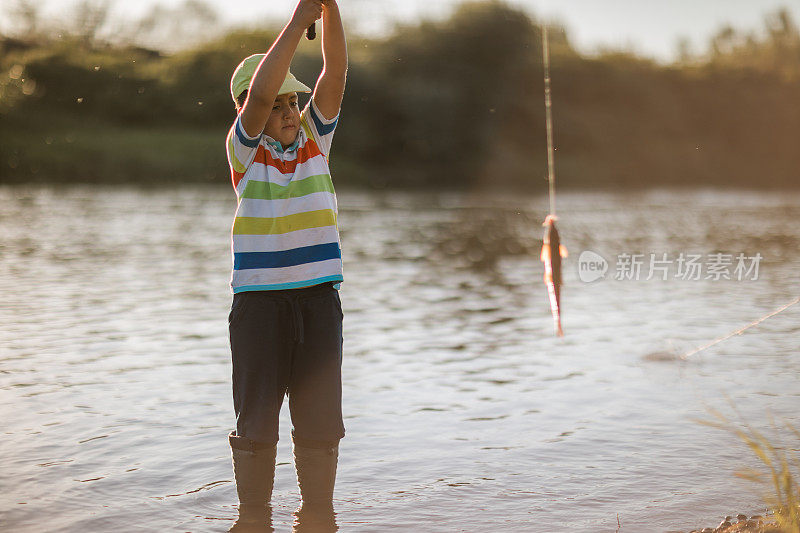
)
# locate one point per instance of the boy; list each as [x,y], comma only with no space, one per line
[285,322]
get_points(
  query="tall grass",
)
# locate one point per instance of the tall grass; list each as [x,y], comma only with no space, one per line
[780,465]
[94,151]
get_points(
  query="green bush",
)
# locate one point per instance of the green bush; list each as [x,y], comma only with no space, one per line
[451,103]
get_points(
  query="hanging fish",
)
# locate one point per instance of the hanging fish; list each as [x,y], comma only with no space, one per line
[552,253]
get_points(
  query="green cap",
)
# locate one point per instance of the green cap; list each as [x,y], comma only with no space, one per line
[240,81]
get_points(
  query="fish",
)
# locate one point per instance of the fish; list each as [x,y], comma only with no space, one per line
[552,268]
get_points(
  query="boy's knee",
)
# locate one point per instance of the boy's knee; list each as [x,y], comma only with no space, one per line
[315,443]
[243,443]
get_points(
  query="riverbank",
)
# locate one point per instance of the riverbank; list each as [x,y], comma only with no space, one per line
[415,112]
[743,524]
[67,149]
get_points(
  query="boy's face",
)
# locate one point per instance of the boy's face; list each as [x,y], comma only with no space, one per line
[284,120]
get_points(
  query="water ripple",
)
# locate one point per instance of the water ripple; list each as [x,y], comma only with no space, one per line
[461,407]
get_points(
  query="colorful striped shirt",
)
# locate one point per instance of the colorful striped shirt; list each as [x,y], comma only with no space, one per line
[285,234]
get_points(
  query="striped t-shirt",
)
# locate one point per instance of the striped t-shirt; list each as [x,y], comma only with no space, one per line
[285,234]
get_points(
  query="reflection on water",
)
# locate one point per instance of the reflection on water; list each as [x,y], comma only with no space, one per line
[463,412]
[253,524]
[481,238]
[314,521]
[305,520]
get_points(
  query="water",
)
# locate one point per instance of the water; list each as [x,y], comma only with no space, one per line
[463,411]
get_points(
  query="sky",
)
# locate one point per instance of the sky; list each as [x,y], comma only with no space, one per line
[648,27]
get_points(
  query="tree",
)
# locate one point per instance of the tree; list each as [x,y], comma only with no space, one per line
[26,17]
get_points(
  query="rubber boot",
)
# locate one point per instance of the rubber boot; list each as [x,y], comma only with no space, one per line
[316,475]
[254,470]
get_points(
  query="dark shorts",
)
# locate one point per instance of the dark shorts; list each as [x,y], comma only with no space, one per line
[287,342]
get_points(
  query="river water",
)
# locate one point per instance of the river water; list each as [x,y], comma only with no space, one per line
[463,411]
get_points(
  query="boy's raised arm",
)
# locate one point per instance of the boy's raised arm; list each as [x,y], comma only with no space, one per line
[271,72]
[330,86]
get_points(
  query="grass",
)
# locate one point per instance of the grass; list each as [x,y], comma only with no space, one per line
[70,149]
[779,467]
[90,151]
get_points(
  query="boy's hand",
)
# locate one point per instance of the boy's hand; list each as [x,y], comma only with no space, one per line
[307,12]
[327,5]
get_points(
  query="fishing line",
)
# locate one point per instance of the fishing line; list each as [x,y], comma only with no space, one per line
[740,330]
[552,251]
[551,177]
